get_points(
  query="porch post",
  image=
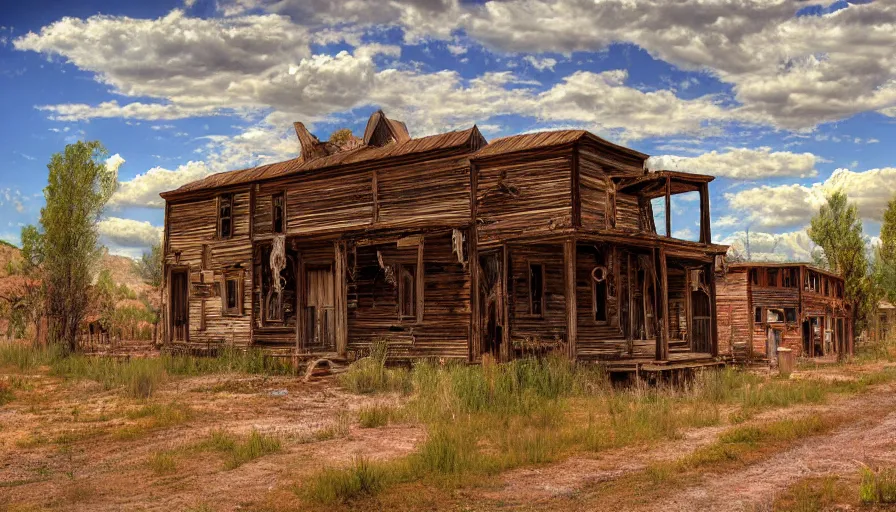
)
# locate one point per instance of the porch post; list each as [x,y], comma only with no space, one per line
[341,299]
[713,316]
[475,325]
[504,303]
[569,265]
[662,345]
[668,208]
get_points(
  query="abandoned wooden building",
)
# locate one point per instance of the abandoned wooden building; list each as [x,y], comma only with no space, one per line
[444,246]
[763,306]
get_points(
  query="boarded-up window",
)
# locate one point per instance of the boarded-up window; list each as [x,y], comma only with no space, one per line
[277,213]
[225,215]
[407,285]
[536,289]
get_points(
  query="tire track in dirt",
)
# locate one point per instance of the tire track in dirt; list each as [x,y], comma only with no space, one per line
[870,436]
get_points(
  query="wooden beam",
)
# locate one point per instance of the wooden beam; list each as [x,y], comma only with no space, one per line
[473,262]
[300,302]
[419,283]
[713,316]
[630,289]
[668,208]
[576,192]
[705,223]
[663,293]
[341,299]
[505,304]
[569,266]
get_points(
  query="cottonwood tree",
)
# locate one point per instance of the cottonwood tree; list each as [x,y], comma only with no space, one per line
[885,255]
[79,185]
[837,229]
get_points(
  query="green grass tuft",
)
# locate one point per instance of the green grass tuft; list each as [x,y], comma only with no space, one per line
[878,486]
[339,486]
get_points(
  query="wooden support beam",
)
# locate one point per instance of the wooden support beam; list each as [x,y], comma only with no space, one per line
[341,298]
[663,294]
[713,315]
[419,283]
[505,304]
[569,266]
[300,303]
[630,289]
[668,208]
[475,314]
[705,223]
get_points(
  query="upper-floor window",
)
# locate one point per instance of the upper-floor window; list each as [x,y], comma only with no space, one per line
[278,210]
[754,276]
[788,278]
[225,215]
[772,277]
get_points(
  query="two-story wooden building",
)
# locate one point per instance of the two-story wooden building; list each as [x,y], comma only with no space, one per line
[444,246]
[763,306]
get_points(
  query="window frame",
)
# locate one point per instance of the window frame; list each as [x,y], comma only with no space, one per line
[282,197]
[753,276]
[403,289]
[229,198]
[758,316]
[795,315]
[237,308]
[542,302]
[771,277]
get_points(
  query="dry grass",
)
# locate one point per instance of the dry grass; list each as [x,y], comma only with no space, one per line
[240,450]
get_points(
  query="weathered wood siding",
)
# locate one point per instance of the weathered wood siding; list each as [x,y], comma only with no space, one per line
[373,312]
[515,198]
[733,314]
[192,230]
[593,195]
[600,340]
[627,213]
[436,193]
[551,325]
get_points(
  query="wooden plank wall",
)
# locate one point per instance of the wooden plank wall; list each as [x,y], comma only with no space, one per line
[593,186]
[515,198]
[598,340]
[192,228]
[551,325]
[373,301]
[733,314]
[434,194]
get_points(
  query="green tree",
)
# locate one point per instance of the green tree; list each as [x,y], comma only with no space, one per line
[837,229]
[149,266]
[22,292]
[885,255]
[79,185]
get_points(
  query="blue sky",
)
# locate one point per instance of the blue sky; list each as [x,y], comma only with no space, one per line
[784,101]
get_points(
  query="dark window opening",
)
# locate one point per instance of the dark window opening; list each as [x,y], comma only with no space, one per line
[757,315]
[754,276]
[772,277]
[225,216]
[232,297]
[788,280]
[827,287]
[536,289]
[600,300]
[277,213]
[407,290]
[276,308]
[790,314]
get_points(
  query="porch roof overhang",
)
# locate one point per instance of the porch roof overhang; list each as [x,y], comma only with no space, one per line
[653,184]
[673,247]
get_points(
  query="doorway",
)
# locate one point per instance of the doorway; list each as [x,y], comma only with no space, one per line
[180,305]
[774,341]
[320,335]
[491,302]
[701,340]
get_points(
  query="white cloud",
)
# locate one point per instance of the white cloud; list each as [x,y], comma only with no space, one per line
[128,232]
[136,110]
[742,163]
[541,64]
[793,205]
[144,189]
[789,246]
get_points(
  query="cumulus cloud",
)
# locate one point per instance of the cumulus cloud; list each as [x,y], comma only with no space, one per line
[136,110]
[742,163]
[144,189]
[541,64]
[128,232]
[794,204]
[789,246]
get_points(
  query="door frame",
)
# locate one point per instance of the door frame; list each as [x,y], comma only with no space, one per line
[176,269]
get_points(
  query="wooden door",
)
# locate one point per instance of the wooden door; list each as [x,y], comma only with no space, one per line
[180,305]
[701,315]
[320,325]
[491,304]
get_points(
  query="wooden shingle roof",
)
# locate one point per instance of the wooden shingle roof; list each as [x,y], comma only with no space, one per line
[537,140]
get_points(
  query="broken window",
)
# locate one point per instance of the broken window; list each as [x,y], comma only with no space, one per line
[754,276]
[775,315]
[277,213]
[225,215]
[772,277]
[278,307]
[232,295]
[536,289]
[407,290]
[790,315]
[788,278]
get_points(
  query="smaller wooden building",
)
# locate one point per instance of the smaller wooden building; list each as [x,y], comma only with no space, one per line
[883,322]
[763,306]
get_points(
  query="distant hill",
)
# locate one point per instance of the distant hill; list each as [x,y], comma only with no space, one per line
[121,267]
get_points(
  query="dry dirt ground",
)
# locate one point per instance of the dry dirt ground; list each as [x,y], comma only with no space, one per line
[62,448]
